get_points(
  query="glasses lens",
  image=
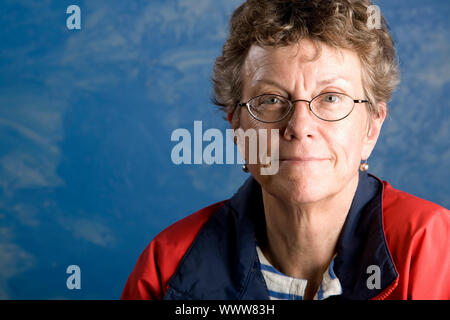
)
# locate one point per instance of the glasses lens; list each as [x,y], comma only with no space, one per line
[269,108]
[332,106]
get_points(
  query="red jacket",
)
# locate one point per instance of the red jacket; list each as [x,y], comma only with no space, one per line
[211,254]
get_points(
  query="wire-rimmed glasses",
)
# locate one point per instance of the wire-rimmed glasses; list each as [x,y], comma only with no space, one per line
[328,106]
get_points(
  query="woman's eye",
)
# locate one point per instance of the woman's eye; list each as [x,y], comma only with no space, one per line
[271,100]
[331,98]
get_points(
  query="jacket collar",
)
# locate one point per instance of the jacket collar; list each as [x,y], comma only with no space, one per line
[362,244]
[222,262]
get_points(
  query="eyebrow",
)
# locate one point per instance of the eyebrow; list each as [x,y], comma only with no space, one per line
[320,83]
[273,83]
[330,80]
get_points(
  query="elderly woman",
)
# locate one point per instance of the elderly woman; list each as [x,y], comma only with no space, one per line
[321,227]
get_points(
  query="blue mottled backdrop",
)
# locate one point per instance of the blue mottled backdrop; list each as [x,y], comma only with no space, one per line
[86,116]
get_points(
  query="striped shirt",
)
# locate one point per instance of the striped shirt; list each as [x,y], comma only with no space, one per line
[283,287]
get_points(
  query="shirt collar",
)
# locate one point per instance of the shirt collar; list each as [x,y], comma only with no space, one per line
[281,286]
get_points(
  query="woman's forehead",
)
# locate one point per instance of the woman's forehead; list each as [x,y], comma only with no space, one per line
[304,59]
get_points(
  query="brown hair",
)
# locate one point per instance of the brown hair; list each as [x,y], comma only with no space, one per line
[338,23]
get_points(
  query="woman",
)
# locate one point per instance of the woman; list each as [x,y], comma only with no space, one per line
[321,227]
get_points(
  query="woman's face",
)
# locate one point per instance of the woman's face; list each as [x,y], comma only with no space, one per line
[317,159]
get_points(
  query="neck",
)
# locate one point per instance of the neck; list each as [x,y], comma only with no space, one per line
[302,238]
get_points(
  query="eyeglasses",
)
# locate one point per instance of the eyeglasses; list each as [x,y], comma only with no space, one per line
[328,106]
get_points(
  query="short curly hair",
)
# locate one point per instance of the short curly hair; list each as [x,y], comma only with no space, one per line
[338,23]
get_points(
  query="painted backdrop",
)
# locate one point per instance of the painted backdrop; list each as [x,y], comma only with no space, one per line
[86,116]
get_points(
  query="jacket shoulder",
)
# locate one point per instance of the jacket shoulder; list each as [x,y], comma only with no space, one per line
[185,230]
[160,259]
[417,236]
[403,209]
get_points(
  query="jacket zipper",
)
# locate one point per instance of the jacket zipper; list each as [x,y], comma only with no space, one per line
[388,291]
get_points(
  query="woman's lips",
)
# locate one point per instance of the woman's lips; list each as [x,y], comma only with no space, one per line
[303,160]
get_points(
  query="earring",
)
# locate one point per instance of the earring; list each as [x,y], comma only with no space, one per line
[364,166]
[245,168]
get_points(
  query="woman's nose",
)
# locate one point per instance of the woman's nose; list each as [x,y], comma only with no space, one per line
[301,123]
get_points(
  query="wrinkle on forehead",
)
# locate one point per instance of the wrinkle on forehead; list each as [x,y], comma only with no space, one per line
[258,56]
[262,62]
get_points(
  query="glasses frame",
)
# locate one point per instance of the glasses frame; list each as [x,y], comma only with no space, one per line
[292,102]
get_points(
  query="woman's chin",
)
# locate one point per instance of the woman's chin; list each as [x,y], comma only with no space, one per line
[299,189]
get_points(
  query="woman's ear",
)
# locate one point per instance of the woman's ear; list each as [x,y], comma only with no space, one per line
[233,119]
[230,118]
[374,129]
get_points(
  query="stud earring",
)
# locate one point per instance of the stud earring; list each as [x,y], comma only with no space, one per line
[364,166]
[245,168]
